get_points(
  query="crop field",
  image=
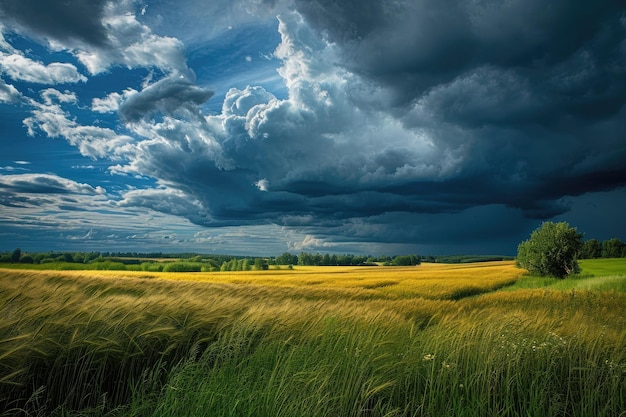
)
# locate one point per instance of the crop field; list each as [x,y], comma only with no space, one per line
[431,340]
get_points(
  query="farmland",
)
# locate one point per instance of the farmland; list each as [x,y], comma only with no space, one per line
[435,339]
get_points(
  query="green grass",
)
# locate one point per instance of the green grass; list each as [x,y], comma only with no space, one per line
[104,345]
[603,267]
[509,368]
[596,274]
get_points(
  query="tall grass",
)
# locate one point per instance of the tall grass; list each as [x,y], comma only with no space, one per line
[350,343]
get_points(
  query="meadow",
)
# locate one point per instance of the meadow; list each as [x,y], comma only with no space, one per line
[431,340]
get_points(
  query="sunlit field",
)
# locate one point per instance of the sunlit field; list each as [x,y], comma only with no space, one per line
[431,340]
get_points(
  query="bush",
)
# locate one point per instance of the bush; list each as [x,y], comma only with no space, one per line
[183,267]
[151,267]
[108,266]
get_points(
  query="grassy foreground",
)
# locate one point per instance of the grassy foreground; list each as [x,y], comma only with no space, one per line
[432,340]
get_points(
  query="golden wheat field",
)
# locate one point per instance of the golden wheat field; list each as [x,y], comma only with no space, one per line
[434,281]
[393,339]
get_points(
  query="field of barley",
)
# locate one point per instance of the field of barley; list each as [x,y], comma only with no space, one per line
[431,340]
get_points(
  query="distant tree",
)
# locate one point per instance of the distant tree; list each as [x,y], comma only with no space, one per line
[245,265]
[406,260]
[260,264]
[591,249]
[287,259]
[305,259]
[235,265]
[613,248]
[551,250]
[26,259]
[66,257]
[16,255]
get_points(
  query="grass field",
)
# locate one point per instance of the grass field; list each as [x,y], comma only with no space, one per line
[432,340]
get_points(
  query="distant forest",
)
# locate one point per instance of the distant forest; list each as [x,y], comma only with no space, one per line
[194,262]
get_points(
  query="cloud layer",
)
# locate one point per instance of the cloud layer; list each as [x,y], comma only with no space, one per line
[403,121]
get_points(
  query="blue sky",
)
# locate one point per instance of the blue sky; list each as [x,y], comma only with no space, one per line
[258,127]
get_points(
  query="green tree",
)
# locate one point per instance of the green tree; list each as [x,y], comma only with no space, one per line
[551,250]
[406,260]
[260,264]
[26,259]
[245,265]
[16,255]
[591,249]
[287,259]
[613,248]
[305,259]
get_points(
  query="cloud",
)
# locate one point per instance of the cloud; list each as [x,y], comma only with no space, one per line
[403,122]
[111,103]
[43,211]
[76,21]
[163,200]
[483,135]
[45,184]
[99,33]
[132,44]
[169,95]
[9,94]
[412,46]
[21,68]
[50,118]
[309,243]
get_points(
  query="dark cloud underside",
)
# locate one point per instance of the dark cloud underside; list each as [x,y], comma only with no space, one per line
[65,20]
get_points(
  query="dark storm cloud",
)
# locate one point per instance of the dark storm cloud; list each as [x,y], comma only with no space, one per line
[64,20]
[415,45]
[491,105]
[531,93]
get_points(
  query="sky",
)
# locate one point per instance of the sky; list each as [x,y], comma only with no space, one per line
[257,127]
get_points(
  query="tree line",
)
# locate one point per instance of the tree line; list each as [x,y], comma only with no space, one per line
[611,248]
[172,262]
[157,262]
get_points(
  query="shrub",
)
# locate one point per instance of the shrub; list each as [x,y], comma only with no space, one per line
[151,267]
[183,267]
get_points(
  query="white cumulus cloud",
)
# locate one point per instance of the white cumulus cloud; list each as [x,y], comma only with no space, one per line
[19,67]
